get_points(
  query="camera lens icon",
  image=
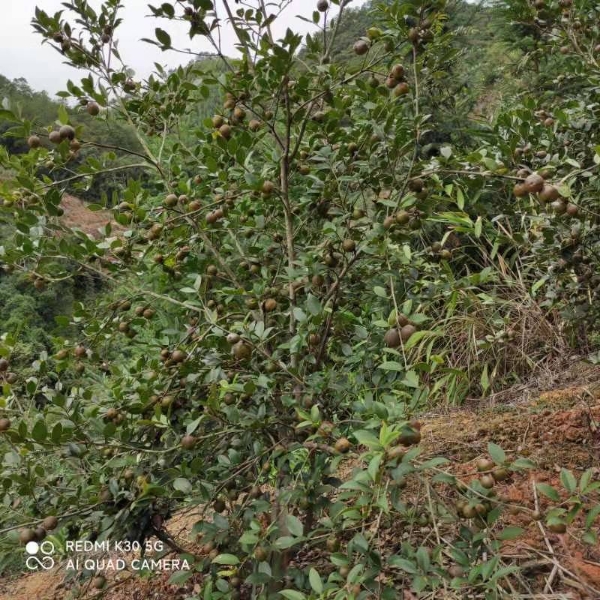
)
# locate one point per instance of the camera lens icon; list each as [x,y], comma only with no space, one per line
[45,561]
[32,548]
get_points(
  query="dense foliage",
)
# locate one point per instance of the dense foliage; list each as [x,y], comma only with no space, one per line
[294,279]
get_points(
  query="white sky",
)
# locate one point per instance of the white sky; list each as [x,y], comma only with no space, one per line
[22,55]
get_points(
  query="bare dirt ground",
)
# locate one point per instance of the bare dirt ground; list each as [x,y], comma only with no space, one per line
[556,428]
[78,215]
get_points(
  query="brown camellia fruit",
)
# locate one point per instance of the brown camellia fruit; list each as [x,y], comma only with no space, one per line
[559,207]
[487,481]
[80,351]
[225,131]
[99,582]
[572,209]
[397,72]
[349,245]
[188,442]
[66,132]
[395,452]
[485,464]
[260,554]
[407,332]
[361,47]
[4,424]
[416,185]
[402,217]
[322,5]
[268,187]
[3,365]
[501,474]
[549,193]
[534,183]
[54,137]
[343,445]
[409,436]
[93,109]
[402,320]
[401,89]
[233,338]
[26,535]
[179,356]
[270,304]
[34,141]
[171,200]
[242,351]
[520,190]
[218,121]
[332,544]
[254,125]
[456,571]
[50,523]
[392,338]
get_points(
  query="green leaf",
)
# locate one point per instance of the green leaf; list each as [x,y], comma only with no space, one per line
[585,480]
[313,305]
[548,491]
[592,516]
[180,577]
[315,581]
[226,559]
[391,365]
[423,560]
[63,115]
[163,37]
[411,379]
[511,533]
[498,455]
[373,468]
[292,595]
[39,431]
[299,314]
[484,379]
[294,525]
[402,563]
[568,480]
[523,463]
[367,438]
[285,542]
[182,485]
[590,538]
[415,338]
[249,538]
[379,291]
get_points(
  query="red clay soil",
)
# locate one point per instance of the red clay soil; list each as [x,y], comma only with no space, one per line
[555,429]
[78,215]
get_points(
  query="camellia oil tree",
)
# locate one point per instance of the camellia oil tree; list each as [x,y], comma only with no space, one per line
[275,294]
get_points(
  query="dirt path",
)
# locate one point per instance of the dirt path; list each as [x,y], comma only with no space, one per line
[555,429]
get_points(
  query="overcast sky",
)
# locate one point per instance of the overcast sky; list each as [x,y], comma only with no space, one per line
[22,55]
